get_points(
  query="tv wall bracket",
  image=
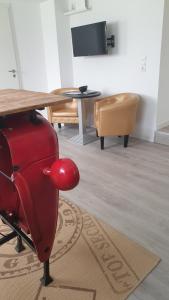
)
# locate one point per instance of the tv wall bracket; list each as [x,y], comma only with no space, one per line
[111,41]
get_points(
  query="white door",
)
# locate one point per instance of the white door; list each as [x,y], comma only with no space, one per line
[8,68]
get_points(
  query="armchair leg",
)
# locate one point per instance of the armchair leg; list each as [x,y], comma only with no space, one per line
[59,125]
[102,142]
[126,139]
[97,133]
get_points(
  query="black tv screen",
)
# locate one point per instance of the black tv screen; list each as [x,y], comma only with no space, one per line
[89,39]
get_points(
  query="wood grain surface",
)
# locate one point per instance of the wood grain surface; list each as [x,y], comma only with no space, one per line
[14,101]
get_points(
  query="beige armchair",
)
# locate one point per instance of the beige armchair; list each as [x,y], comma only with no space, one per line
[65,112]
[116,115]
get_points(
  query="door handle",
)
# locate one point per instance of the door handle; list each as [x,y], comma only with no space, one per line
[12,71]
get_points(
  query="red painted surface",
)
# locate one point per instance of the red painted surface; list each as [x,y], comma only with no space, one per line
[64,174]
[32,196]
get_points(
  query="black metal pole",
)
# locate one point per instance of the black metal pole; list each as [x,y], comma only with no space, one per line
[7,238]
[17,232]
[46,279]
[19,246]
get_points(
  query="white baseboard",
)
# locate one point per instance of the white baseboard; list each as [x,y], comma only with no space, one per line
[162,138]
[162,125]
[144,134]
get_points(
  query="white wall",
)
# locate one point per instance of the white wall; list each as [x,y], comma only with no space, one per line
[27,23]
[64,44]
[48,17]
[137,25]
[163,101]
[57,44]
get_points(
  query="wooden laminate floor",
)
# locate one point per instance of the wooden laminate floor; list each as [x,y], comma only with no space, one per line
[129,189]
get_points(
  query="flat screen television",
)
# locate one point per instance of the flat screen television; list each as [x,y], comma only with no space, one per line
[89,39]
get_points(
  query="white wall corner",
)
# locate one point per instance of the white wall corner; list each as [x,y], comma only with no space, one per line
[163,92]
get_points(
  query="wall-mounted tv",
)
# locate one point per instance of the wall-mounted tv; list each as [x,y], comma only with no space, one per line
[89,39]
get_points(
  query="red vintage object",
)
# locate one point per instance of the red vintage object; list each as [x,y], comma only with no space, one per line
[28,152]
[64,174]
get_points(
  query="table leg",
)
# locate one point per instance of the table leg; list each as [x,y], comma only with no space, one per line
[81,114]
[82,138]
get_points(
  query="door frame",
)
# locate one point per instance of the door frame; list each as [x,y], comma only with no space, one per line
[15,46]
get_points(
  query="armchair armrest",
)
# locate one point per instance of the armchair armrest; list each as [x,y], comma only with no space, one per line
[101,102]
[110,107]
[49,113]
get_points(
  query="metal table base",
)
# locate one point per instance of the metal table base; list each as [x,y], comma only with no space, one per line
[83,137]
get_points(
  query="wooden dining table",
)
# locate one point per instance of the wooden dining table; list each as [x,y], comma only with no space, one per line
[15,101]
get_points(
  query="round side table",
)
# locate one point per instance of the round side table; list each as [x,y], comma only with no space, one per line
[82,138]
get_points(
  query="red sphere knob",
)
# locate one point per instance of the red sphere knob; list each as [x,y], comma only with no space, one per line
[64,174]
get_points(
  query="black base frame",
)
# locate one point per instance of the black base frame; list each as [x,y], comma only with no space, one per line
[21,236]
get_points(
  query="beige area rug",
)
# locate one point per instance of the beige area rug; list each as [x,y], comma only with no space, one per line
[90,261]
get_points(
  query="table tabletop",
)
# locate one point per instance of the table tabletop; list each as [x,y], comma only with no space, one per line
[79,95]
[13,101]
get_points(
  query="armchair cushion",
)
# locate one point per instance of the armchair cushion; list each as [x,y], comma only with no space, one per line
[66,112]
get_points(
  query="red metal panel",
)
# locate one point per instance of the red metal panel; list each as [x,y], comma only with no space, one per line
[31,196]
[39,200]
[9,200]
[28,141]
[29,152]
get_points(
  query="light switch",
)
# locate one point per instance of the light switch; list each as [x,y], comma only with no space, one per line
[80,4]
[143,64]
